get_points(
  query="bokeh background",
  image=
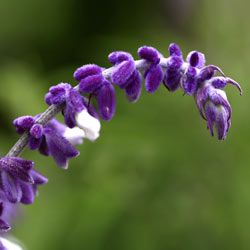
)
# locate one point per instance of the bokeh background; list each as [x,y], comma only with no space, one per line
[156,179]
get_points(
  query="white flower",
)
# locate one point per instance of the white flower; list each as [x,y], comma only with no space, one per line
[9,245]
[89,124]
[74,135]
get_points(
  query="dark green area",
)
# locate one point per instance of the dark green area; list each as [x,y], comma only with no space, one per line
[155,180]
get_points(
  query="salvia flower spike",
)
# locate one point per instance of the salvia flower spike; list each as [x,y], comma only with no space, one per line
[93,98]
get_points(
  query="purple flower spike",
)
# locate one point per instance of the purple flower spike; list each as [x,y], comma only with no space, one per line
[189,82]
[153,78]
[174,50]
[117,57]
[106,101]
[122,72]
[196,59]
[173,73]
[134,87]
[87,70]
[149,54]
[91,83]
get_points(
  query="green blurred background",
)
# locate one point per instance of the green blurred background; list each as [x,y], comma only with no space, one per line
[155,179]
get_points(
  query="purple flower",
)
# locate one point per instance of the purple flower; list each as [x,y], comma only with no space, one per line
[153,75]
[64,93]
[215,108]
[19,179]
[94,83]
[125,75]
[196,59]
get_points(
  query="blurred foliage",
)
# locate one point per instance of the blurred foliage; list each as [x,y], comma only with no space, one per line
[155,179]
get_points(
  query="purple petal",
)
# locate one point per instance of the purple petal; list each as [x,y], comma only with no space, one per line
[153,78]
[189,82]
[210,114]
[59,148]
[75,101]
[38,178]
[106,101]
[69,116]
[173,75]
[11,187]
[196,59]
[149,53]
[122,72]
[87,70]
[91,83]
[28,194]
[222,123]
[134,87]
[174,50]
[119,56]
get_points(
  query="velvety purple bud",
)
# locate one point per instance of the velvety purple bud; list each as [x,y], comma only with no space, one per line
[196,59]
[134,87]
[11,187]
[36,131]
[106,101]
[221,82]
[87,70]
[58,93]
[174,50]
[173,74]
[47,98]
[208,72]
[4,227]
[189,82]
[38,178]
[119,56]
[28,194]
[91,83]
[60,149]
[149,53]
[23,123]
[122,72]
[153,78]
